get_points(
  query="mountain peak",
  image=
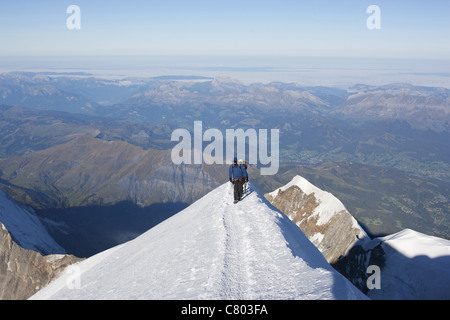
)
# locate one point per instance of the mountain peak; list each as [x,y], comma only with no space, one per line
[321,216]
[213,249]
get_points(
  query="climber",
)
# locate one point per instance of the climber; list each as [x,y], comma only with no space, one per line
[244,163]
[238,175]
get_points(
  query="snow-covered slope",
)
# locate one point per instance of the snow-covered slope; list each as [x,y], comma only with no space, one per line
[25,228]
[214,249]
[416,267]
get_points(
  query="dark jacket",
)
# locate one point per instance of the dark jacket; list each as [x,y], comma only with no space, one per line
[237,171]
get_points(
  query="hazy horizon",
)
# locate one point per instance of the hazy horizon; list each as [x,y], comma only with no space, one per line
[309,71]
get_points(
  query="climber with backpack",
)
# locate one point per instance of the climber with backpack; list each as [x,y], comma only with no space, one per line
[238,176]
[245,187]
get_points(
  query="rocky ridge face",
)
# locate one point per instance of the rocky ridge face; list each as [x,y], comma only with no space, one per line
[321,216]
[24,272]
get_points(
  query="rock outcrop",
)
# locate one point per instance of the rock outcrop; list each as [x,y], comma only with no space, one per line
[24,272]
[321,216]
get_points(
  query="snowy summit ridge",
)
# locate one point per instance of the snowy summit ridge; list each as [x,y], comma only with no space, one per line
[320,215]
[328,206]
[213,249]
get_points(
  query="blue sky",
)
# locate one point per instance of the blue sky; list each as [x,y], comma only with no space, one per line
[411,29]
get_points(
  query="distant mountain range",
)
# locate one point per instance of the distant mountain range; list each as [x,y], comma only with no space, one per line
[423,107]
[384,151]
[399,125]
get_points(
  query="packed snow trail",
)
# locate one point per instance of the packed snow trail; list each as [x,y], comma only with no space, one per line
[214,249]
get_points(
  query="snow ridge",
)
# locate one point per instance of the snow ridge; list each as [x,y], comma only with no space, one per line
[329,205]
[213,249]
[416,267]
[26,228]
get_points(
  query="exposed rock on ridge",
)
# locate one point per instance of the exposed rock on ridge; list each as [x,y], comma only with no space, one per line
[24,272]
[321,216]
